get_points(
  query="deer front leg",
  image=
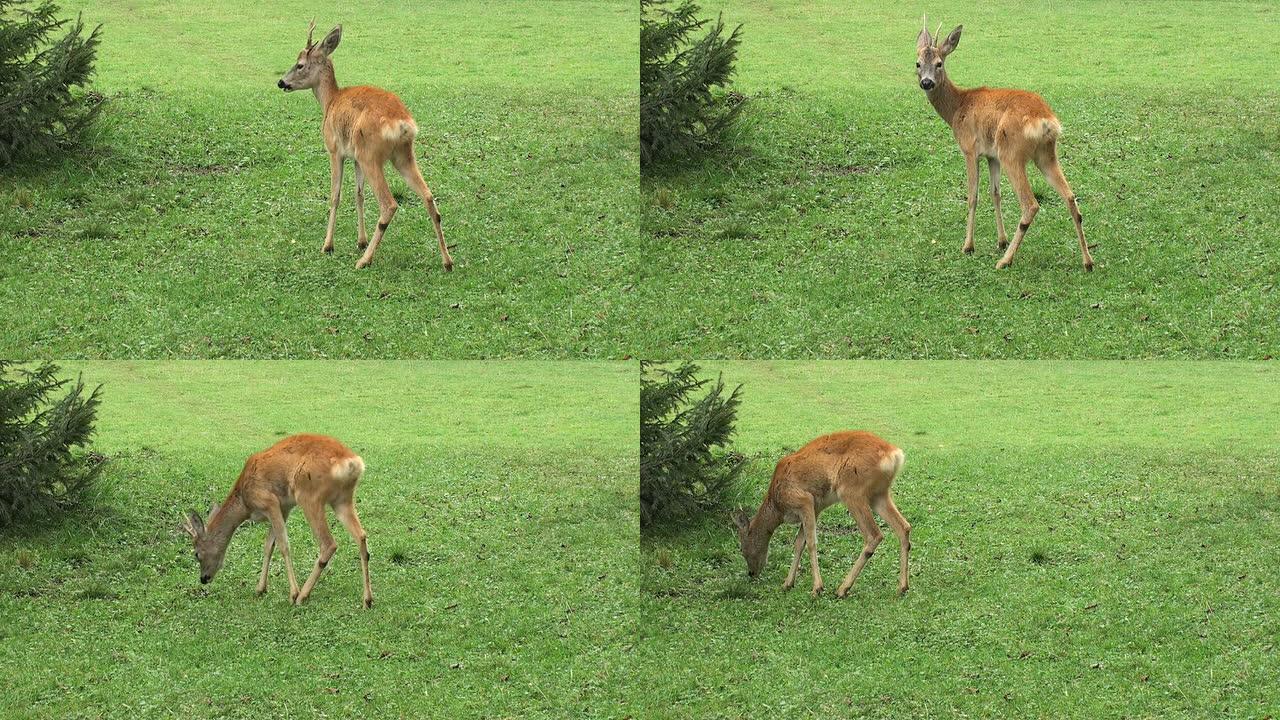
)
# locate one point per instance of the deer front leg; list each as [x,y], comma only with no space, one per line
[362,238]
[267,547]
[871,536]
[282,539]
[971,169]
[795,561]
[325,546]
[1017,172]
[993,165]
[386,209]
[335,191]
[809,526]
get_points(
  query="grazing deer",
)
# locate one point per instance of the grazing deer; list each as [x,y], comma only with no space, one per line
[369,126]
[1007,127]
[853,467]
[306,470]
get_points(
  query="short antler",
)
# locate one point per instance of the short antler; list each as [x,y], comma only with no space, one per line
[311,29]
[936,35]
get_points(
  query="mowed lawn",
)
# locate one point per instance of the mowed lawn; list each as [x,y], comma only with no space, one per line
[831,224]
[192,227]
[499,500]
[1090,540]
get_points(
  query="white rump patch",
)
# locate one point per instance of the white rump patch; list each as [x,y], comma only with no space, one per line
[348,470]
[400,130]
[1043,129]
[892,462]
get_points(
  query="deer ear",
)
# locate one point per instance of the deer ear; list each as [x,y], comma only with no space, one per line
[951,42]
[330,41]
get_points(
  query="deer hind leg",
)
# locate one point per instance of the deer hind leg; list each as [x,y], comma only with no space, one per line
[362,238]
[268,546]
[1017,172]
[886,509]
[335,192]
[346,512]
[325,546]
[795,561]
[386,208]
[871,536]
[993,165]
[1047,161]
[971,169]
[408,167]
[282,539]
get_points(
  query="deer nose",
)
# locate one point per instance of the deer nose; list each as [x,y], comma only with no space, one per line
[926,84]
[204,579]
[281,85]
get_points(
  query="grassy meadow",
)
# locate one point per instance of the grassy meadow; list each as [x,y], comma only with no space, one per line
[500,506]
[830,225]
[192,226]
[1090,539]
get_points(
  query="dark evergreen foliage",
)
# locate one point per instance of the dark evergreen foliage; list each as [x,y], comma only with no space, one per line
[679,113]
[43,468]
[45,65]
[684,467]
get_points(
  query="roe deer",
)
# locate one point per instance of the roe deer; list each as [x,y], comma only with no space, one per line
[369,126]
[852,467]
[306,470]
[1007,127]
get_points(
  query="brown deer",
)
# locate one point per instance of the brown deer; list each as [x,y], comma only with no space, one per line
[1007,127]
[306,470]
[855,468]
[369,126]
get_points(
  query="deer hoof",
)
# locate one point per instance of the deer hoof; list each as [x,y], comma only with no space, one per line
[368,603]
[817,590]
[902,591]
[362,263]
[1002,243]
[1088,267]
[327,249]
[362,244]
[448,266]
[1003,264]
[968,249]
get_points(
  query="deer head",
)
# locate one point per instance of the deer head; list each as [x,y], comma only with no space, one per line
[930,55]
[209,552]
[312,62]
[754,546]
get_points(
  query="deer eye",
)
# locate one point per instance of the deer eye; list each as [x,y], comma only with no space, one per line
[939,64]
[298,66]
[917,65]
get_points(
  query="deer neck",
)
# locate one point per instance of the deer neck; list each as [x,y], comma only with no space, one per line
[945,98]
[224,523]
[765,522]
[327,89]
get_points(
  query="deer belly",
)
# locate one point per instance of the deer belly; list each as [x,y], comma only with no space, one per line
[826,501]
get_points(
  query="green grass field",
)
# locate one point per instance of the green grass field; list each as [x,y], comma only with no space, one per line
[1090,539]
[831,225]
[500,506]
[192,228]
